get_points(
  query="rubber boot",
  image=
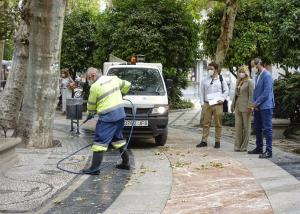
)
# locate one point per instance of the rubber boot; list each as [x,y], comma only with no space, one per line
[125,160]
[96,162]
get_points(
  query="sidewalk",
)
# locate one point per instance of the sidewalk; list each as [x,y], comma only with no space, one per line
[34,178]
[217,183]
[281,188]
[177,178]
[223,181]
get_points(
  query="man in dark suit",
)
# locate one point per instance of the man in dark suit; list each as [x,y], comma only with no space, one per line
[263,104]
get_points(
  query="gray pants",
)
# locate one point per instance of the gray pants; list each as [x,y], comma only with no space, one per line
[65,94]
[242,130]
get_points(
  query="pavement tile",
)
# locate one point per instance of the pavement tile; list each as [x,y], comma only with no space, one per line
[209,181]
[34,179]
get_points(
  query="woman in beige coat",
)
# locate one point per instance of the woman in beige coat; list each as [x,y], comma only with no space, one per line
[242,106]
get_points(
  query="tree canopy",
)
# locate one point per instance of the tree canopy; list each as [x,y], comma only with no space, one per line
[82,5]
[286,32]
[79,40]
[251,35]
[7,18]
[263,28]
[162,30]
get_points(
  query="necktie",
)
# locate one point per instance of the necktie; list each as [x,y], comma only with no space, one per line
[257,78]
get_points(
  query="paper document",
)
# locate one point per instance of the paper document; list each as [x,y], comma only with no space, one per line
[213,98]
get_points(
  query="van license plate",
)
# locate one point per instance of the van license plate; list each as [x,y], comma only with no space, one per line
[136,123]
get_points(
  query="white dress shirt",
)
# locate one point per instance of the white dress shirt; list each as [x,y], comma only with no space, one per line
[210,85]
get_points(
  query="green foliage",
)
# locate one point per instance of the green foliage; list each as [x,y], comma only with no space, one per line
[78,44]
[287,93]
[199,5]
[8,18]
[103,39]
[181,104]
[251,35]
[9,49]
[180,81]
[210,31]
[269,29]
[228,119]
[90,5]
[162,30]
[286,32]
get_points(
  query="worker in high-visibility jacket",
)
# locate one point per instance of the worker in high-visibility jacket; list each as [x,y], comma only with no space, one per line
[105,99]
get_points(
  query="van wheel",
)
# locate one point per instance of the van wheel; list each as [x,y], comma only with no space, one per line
[161,140]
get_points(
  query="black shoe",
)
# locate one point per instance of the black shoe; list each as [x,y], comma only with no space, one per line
[217,145]
[202,144]
[123,166]
[90,171]
[255,151]
[96,162]
[266,154]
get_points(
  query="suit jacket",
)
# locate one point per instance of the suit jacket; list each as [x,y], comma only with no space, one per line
[263,95]
[244,100]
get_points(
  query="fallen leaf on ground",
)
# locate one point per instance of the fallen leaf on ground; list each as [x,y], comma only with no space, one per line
[57,202]
[80,199]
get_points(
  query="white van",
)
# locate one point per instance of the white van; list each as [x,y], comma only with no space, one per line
[148,94]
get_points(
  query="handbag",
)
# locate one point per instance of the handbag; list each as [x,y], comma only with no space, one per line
[71,85]
[225,103]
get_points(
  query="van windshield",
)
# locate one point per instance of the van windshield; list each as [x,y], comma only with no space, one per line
[144,81]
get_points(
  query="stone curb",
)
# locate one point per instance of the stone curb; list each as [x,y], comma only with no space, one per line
[7,144]
[8,156]
[180,110]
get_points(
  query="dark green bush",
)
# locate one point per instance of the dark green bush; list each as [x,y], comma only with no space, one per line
[181,104]
[228,119]
[287,97]
[180,82]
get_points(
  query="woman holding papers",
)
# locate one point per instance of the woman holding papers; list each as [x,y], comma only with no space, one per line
[242,106]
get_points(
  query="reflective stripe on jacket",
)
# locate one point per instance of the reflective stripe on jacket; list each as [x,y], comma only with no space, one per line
[106,94]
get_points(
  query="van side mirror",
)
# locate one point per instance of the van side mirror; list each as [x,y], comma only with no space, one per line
[169,85]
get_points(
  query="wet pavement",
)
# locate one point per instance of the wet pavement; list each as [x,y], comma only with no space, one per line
[96,193]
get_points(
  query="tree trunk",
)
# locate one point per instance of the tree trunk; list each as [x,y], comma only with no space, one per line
[227,27]
[2,42]
[41,92]
[11,97]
